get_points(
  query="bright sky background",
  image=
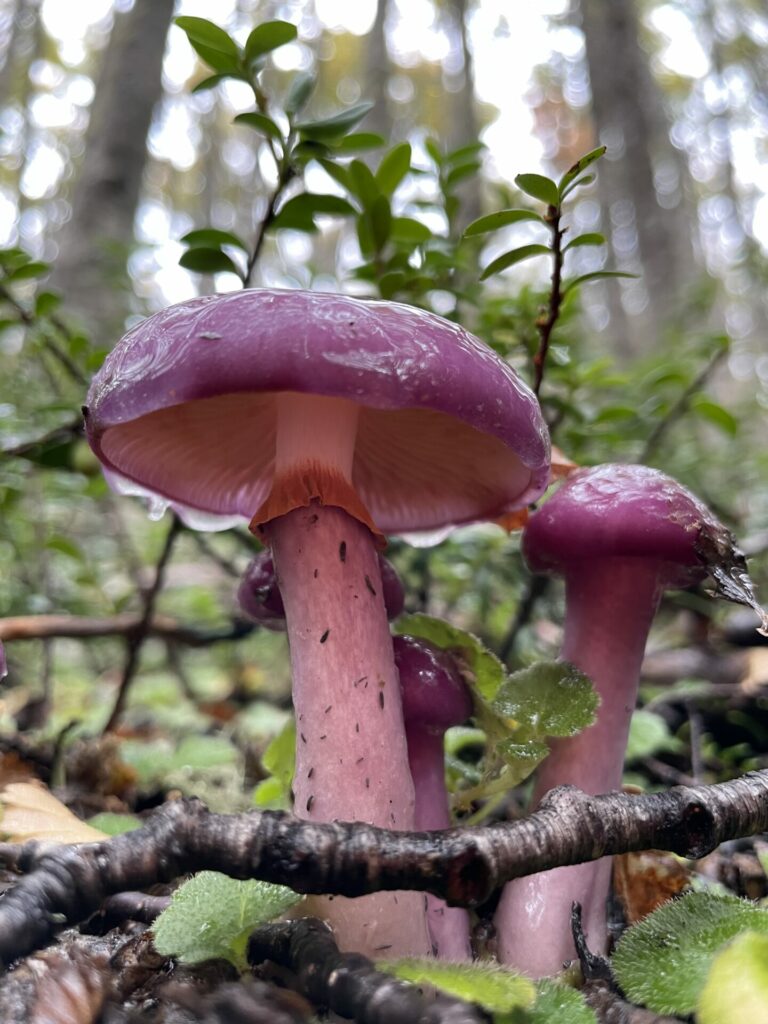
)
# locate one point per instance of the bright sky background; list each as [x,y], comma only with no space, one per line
[505,57]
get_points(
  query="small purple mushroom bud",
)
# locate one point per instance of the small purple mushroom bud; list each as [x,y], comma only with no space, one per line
[259,595]
[620,535]
[326,422]
[435,697]
[260,599]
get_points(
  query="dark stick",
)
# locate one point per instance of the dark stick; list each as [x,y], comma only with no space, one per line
[135,640]
[464,866]
[348,983]
[535,589]
[545,323]
[50,343]
[37,627]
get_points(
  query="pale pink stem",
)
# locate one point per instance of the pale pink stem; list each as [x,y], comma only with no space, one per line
[351,755]
[610,605]
[448,926]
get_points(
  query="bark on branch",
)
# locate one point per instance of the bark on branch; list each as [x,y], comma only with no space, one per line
[65,885]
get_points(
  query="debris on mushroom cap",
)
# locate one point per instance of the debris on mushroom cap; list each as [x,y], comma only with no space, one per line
[635,511]
[259,594]
[434,693]
[447,432]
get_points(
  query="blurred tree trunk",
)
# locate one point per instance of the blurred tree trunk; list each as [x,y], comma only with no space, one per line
[376,73]
[465,126]
[648,228]
[91,267]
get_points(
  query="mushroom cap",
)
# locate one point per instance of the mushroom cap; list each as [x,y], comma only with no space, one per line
[434,694]
[622,511]
[260,599]
[184,407]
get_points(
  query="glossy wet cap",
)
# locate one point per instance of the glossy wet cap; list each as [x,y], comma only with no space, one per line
[184,407]
[622,511]
[435,696]
[260,599]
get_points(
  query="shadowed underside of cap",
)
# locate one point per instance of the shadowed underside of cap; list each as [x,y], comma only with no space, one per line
[185,406]
[621,511]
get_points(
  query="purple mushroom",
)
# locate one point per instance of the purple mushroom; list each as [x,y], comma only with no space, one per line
[326,422]
[260,599]
[435,697]
[620,535]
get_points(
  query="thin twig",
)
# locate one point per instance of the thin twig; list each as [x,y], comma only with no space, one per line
[50,343]
[545,323]
[348,983]
[680,406]
[38,627]
[462,865]
[135,640]
[286,173]
[65,432]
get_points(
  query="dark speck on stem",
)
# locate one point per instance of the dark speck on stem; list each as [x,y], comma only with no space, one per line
[313,518]
[357,727]
[315,573]
[343,551]
[370,585]
[359,760]
[310,773]
[328,709]
[324,637]
[381,699]
[324,736]
[303,737]
[367,783]
[310,801]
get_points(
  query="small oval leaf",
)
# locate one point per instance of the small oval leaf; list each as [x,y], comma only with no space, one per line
[524,252]
[539,187]
[261,123]
[590,238]
[494,221]
[208,261]
[267,37]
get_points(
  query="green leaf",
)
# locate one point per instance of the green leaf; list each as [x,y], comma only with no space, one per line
[338,124]
[704,407]
[358,142]
[205,33]
[539,187]
[213,80]
[579,183]
[663,961]
[649,735]
[558,1004]
[409,231]
[267,37]
[279,759]
[47,302]
[736,990]
[494,221]
[590,238]
[393,168]
[482,669]
[35,268]
[212,238]
[380,220]
[115,824]
[363,184]
[261,123]
[509,259]
[581,165]
[208,261]
[299,92]
[494,988]
[550,698]
[212,916]
[595,275]
[299,212]
[65,547]
[338,173]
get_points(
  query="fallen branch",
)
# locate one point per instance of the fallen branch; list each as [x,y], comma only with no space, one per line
[39,627]
[348,983]
[464,866]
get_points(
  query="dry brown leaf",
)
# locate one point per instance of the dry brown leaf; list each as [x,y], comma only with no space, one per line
[30,811]
[72,991]
[756,670]
[643,881]
[561,466]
